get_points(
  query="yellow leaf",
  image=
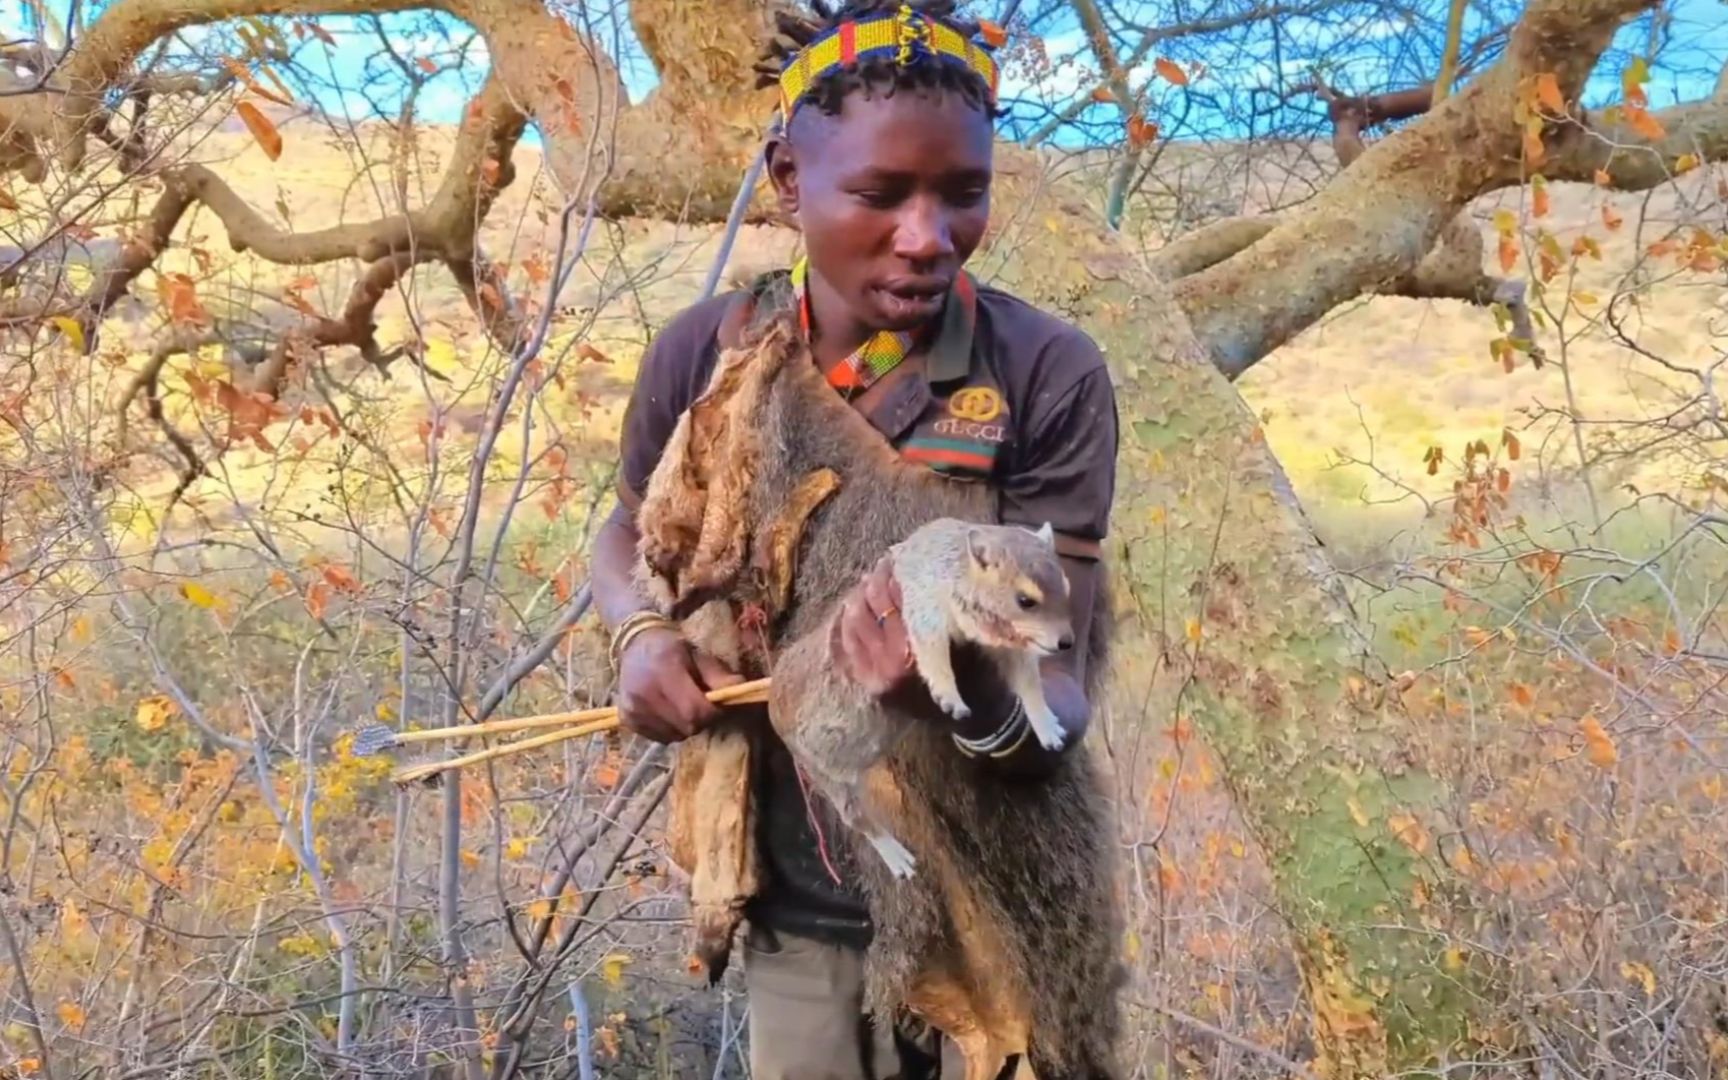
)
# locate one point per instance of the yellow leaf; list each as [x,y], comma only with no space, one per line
[1171,71]
[1453,959]
[516,850]
[71,1014]
[1686,163]
[1599,746]
[1194,630]
[612,968]
[1131,945]
[80,632]
[269,139]
[73,330]
[1584,299]
[1357,814]
[198,595]
[155,711]
[1409,831]
[1640,974]
[469,859]
[540,909]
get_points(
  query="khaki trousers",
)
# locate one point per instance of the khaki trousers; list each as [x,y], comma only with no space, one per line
[807,1018]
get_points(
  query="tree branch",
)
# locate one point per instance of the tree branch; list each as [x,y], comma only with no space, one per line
[1379,219]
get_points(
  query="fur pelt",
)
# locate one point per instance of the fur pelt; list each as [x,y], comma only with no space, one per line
[772,499]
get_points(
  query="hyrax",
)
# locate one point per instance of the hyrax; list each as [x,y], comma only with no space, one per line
[997,586]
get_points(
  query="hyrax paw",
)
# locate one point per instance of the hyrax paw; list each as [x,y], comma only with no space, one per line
[1048,731]
[895,855]
[952,705]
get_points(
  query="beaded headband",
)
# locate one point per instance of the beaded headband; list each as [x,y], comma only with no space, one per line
[907,35]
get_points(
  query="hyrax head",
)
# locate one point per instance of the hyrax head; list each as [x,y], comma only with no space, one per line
[1019,586]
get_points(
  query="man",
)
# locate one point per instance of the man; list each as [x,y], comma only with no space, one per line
[884,160]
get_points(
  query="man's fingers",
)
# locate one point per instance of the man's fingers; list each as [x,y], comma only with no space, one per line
[714,674]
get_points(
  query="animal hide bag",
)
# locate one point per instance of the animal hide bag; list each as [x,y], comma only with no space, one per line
[772,499]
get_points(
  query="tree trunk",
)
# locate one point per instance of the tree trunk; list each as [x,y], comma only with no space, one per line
[1255,642]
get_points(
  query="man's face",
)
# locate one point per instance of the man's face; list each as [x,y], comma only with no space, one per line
[893,196]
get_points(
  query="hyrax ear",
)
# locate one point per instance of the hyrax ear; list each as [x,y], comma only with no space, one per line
[978,546]
[1047,534]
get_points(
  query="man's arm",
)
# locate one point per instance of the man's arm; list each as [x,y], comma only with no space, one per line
[661,680]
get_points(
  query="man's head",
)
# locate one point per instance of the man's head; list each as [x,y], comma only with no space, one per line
[886,167]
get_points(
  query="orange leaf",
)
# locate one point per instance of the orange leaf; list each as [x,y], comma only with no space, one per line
[1604,178]
[1171,71]
[425,64]
[269,139]
[1539,201]
[1103,93]
[994,36]
[1643,123]
[1534,151]
[1671,641]
[1611,218]
[1523,695]
[1548,93]
[239,71]
[342,579]
[1141,131]
[318,599]
[1599,747]
[589,352]
[1508,253]
[180,297]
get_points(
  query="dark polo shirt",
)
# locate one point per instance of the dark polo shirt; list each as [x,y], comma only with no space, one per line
[1028,409]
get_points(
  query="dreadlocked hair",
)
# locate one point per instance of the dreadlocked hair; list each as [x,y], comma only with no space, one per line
[795,29]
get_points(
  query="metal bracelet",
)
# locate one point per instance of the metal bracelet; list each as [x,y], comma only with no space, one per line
[635,623]
[1015,725]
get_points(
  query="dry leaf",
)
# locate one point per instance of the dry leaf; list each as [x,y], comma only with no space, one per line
[1171,71]
[1686,163]
[71,1014]
[1548,93]
[1611,218]
[994,35]
[7,202]
[154,712]
[269,139]
[1141,131]
[1599,747]
[612,968]
[425,64]
[73,330]
[197,594]
[1540,204]
[317,599]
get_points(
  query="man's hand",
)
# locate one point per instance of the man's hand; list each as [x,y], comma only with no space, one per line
[869,638]
[663,685]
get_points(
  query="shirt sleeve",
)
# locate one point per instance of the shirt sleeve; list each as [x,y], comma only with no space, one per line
[1066,473]
[672,370]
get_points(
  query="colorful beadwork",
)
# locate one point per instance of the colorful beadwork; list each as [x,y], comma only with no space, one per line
[906,35]
[875,358]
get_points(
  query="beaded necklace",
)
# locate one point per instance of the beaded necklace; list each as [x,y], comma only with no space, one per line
[883,351]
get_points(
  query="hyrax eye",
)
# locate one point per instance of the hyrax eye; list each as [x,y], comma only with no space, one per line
[1026,601]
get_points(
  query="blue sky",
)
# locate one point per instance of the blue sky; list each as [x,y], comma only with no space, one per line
[1218,108]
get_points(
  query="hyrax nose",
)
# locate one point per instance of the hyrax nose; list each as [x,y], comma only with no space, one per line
[1065,642]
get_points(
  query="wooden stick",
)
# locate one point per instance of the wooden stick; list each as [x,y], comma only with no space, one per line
[750,693]
[726,695]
